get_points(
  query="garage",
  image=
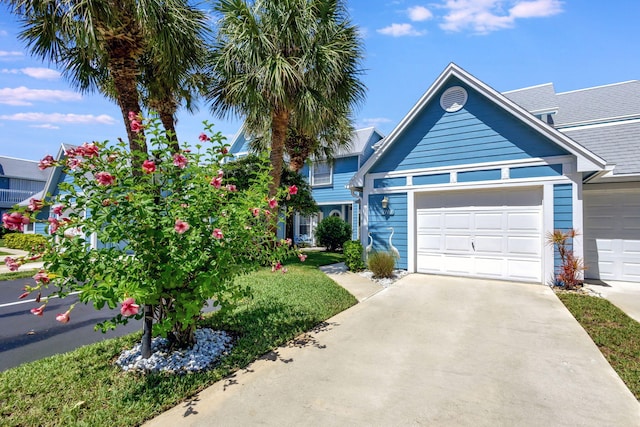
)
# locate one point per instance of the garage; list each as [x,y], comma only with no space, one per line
[612,234]
[493,234]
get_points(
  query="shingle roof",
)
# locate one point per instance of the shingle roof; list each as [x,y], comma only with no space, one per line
[598,103]
[540,98]
[19,168]
[359,141]
[618,144]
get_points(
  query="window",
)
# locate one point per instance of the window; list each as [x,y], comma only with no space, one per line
[321,174]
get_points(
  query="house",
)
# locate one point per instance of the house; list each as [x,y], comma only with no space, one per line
[471,180]
[19,179]
[328,181]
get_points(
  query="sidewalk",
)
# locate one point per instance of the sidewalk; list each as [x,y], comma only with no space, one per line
[18,253]
[624,295]
[358,286]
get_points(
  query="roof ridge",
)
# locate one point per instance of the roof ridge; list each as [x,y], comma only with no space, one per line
[528,87]
[597,87]
[17,158]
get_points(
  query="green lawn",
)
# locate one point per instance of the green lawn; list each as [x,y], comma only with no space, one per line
[84,388]
[616,334]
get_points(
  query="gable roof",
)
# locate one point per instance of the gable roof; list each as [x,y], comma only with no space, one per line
[20,168]
[587,160]
[536,99]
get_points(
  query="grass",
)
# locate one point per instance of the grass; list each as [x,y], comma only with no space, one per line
[83,388]
[22,274]
[616,334]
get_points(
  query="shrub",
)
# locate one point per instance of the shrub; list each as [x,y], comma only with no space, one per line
[571,266]
[353,255]
[381,264]
[26,242]
[332,232]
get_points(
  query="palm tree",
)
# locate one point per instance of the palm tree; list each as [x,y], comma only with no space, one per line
[279,62]
[99,44]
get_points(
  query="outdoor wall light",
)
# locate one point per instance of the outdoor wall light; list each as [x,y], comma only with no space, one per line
[385,202]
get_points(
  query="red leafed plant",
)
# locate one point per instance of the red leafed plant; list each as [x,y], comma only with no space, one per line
[570,271]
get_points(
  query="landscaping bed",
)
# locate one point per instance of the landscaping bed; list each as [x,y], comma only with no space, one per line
[84,387]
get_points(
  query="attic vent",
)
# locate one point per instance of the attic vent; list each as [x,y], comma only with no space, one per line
[453,99]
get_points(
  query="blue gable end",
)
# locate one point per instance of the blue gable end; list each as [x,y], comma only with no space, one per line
[479,132]
[343,170]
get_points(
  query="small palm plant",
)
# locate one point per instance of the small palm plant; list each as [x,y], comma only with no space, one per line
[570,271]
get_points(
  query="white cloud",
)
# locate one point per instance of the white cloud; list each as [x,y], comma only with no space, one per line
[4,54]
[59,118]
[25,96]
[419,13]
[36,73]
[400,30]
[485,16]
[45,126]
[375,121]
[3,33]
[536,9]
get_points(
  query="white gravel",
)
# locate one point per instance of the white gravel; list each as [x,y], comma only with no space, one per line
[387,281]
[210,346]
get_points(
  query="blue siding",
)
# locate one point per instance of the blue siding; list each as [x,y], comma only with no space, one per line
[343,171]
[441,178]
[379,222]
[240,145]
[479,132]
[368,149]
[389,182]
[487,175]
[536,171]
[562,214]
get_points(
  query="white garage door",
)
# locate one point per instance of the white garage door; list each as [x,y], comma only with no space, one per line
[495,234]
[612,235]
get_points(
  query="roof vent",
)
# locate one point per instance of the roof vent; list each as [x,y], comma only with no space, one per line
[453,99]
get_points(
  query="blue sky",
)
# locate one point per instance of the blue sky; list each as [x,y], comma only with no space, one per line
[508,44]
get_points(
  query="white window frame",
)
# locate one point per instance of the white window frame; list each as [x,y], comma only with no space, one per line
[313,174]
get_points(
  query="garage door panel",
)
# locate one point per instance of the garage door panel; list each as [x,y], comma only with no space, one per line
[612,235]
[429,242]
[523,269]
[524,246]
[485,233]
[524,221]
[457,243]
[487,221]
[429,221]
[488,244]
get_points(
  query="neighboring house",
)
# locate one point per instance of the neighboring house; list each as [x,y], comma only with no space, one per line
[471,180]
[19,180]
[328,181]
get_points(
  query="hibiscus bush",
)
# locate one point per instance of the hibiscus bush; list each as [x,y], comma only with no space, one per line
[164,230]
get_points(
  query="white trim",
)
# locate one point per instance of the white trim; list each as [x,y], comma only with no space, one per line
[548,258]
[596,87]
[412,233]
[538,161]
[599,123]
[528,87]
[312,174]
[342,202]
[339,212]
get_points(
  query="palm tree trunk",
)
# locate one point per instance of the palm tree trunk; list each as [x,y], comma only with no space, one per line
[279,124]
[169,124]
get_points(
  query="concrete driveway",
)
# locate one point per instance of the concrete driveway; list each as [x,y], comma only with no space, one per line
[430,350]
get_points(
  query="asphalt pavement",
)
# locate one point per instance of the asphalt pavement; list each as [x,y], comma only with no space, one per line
[25,337]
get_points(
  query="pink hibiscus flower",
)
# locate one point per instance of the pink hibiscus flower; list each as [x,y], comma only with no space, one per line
[148,166]
[302,257]
[129,307]
[14,221]
[293,190]
[53,225]
[217,233]
[63,317]
[273,203]
[203,137]
[181,226]
[180,161]
[12,263]
[136,126]
[216,182]
[47,162]
[41,276]
[105,178]
[38,311]
[35,205]
[57,210]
